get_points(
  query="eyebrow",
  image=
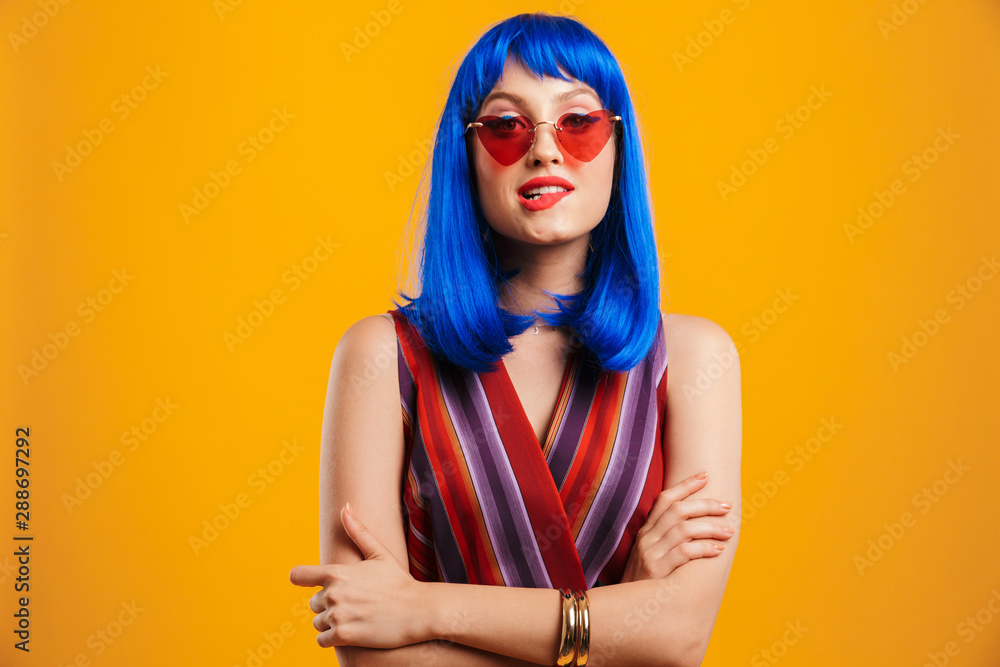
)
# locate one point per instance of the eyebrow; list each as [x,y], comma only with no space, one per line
[518,100]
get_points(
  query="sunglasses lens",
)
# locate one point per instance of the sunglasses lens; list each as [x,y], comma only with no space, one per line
[506,138]
[584,136]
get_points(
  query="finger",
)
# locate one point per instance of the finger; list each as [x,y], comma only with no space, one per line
[663,560]
[328,638]
[682,489]
[689,530]
[317,603]
[320,622]
[694,550]
[671,495]
[307,575]
[693,508]
[367,544]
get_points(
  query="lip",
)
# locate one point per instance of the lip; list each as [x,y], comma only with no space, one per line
[547,200]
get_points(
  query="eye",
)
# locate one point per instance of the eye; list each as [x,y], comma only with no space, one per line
[576,122]
[506,124]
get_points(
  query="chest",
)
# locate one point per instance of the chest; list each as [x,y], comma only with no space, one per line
[537,371]
[535,474]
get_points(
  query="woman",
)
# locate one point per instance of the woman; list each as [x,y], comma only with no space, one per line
[533,453]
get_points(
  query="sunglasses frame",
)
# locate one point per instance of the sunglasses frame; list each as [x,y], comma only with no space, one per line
[534,126]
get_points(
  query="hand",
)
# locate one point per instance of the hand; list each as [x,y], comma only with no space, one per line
[373,603]
[673,535]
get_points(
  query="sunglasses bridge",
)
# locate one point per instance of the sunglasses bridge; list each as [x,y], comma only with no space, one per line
[543,122]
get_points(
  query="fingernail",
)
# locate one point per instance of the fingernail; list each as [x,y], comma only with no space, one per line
[726,506]
[719,547]
[349,510]
[702,475]
[729,530]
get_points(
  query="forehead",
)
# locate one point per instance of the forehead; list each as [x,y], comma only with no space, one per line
[520,86]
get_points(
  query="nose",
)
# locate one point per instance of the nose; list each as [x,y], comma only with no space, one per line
[545,144]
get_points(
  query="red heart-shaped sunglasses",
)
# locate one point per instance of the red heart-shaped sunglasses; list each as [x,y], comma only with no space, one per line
[508,138]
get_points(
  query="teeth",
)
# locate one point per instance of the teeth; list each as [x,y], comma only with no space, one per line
[535,193]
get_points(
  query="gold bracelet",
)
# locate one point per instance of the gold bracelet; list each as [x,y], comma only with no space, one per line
[567,646]
[583,616]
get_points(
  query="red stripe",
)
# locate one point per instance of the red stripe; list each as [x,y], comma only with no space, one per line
[558,414]
[422,560]
[541,498]
[460,499]
[588,471]
[439,443]
[655,483]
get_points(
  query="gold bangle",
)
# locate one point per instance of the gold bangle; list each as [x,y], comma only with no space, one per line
[567,646]
[583,617]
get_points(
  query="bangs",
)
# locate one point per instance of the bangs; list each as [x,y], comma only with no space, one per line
[545,45]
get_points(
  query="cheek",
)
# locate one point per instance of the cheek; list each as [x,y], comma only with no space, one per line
[602,176]
[490,183]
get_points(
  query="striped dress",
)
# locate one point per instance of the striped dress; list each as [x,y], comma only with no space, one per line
[486,503]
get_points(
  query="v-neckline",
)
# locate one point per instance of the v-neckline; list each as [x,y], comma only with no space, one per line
[553,427]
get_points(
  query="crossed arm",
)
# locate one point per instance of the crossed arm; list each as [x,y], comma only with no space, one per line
[376,614]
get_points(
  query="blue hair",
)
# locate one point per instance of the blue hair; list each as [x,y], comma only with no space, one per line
[458,314]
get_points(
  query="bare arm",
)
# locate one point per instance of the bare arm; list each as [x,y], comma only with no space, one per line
[663,621]
[362,462]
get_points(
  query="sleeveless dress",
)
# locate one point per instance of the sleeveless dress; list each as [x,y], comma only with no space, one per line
[486,503]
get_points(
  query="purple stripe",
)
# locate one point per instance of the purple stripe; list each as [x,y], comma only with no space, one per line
[621,487]
[407,387]
[660,354]
[421,537]
[449,558]
[568,437]
[495,484]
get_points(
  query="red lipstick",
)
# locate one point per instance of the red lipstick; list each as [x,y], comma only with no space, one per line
[540,201]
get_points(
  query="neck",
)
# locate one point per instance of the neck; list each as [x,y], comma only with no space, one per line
[541,269]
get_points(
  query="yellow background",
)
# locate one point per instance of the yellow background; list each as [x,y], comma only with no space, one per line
[358,116]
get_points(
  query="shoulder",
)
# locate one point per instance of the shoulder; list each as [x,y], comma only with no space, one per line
[366,348]
[691,335]
[699,350]
[368,336]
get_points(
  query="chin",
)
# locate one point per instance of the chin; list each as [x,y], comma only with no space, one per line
[552,239]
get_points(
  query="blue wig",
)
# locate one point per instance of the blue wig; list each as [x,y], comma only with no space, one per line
[458,312]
